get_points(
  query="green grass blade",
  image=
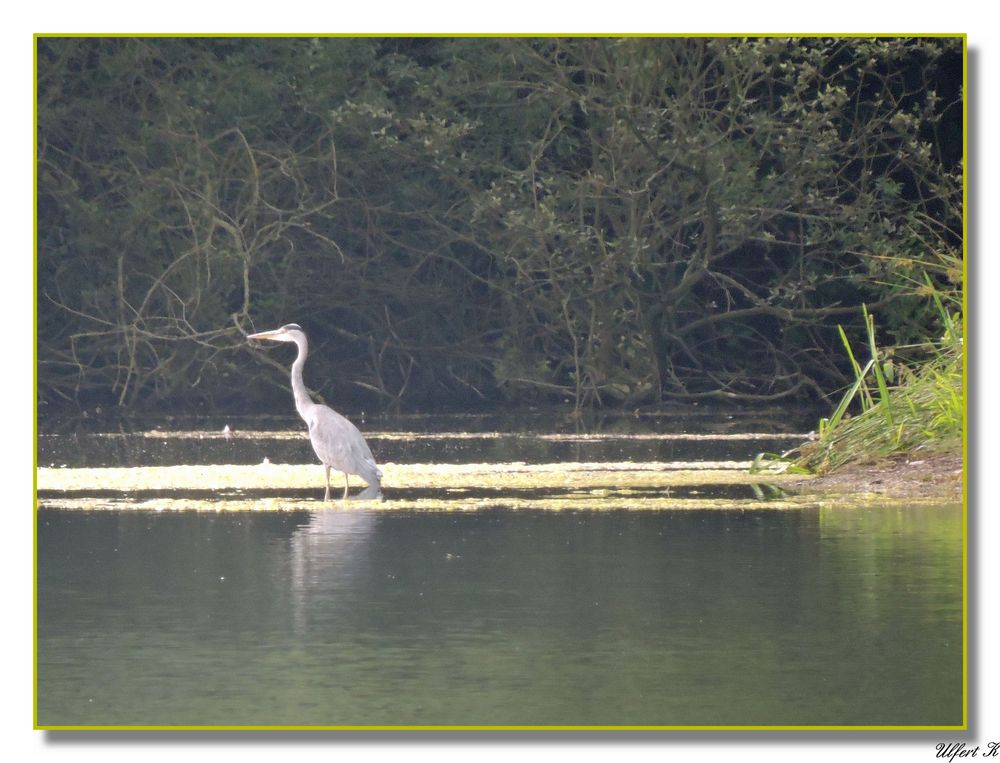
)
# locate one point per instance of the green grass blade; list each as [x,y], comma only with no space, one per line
[859,375]
[883,388]
[841,409]
[951,335]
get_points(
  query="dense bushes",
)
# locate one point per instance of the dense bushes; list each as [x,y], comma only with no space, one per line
[598,220]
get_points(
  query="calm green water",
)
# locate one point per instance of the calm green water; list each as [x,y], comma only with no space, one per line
[339,617]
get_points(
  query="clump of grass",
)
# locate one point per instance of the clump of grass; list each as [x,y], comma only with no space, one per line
[903,410]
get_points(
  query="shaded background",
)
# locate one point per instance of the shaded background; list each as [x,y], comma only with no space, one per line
[460,221]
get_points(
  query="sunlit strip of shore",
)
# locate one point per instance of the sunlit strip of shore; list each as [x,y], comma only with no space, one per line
[499,476]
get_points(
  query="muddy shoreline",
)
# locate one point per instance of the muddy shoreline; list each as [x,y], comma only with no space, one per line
[936,475]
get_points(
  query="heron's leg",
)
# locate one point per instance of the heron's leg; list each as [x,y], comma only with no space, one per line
[326,495]
[345,487]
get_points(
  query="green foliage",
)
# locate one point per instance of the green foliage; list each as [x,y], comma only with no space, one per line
[925,412]
[599,220]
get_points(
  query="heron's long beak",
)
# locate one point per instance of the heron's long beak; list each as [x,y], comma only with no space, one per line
[264,335]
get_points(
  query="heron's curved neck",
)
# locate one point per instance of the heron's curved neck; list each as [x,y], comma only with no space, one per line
[302,400]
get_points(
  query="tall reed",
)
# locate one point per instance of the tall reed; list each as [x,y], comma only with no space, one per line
[923,412]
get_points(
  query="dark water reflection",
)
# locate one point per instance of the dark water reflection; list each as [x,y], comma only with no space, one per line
[501,617]
[504,437]
[144,450]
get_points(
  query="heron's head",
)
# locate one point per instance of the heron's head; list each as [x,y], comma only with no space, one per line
[286,333]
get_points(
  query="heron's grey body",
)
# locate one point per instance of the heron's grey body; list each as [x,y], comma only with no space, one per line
[337,442]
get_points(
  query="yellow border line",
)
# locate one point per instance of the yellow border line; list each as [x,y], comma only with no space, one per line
[34,386]
[965,388]
[410,35]
[500,728]
[965,381]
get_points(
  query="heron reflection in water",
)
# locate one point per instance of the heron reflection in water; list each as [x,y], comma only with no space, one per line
[337,442]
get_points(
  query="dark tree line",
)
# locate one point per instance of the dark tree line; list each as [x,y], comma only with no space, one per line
[599,220]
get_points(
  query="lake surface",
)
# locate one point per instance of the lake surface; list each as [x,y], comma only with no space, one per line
[347,615]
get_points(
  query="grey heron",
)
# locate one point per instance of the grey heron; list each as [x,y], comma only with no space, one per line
[337,442]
